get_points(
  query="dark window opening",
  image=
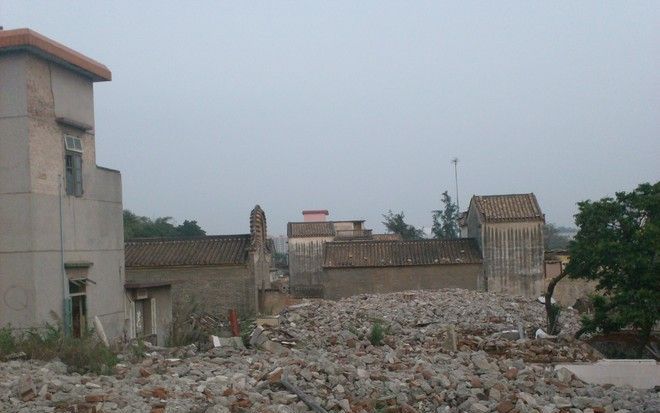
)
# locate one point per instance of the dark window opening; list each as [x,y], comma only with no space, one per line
[74,184]
[77,292]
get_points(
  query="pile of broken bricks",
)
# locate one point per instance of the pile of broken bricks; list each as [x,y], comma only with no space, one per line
[443,351]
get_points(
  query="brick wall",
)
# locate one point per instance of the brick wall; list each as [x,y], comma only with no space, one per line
[215,289]
[344,282]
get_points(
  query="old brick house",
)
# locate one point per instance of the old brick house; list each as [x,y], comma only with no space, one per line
[372,266]
[509,232]
[61,233]
[214,273]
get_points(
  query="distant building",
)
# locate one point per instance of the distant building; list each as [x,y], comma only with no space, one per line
[370,266]
[509,231]
[569,290]
[61,232]
[334,259]
[281,244]
[215,273]
[306,241]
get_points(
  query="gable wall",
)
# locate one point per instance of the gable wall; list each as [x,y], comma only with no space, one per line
[513,257]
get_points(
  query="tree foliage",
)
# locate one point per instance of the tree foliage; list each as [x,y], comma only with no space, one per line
[445,221]
[617,245]
[552,238]
[395,223]
[136,226]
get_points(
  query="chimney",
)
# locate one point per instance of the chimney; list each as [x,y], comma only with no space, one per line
[315,215]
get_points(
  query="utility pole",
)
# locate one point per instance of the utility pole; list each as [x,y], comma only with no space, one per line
[455,162]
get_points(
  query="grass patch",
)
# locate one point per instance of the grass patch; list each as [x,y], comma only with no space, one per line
[81,355]
[377,334]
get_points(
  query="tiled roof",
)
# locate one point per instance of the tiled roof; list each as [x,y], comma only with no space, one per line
[503,208]
[26,39]
[310,229]
[387,237]
[207,250]
[400,253]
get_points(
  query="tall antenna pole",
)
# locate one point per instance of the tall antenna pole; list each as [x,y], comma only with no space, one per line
[455,162]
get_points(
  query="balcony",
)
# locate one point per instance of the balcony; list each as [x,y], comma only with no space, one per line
[344,234]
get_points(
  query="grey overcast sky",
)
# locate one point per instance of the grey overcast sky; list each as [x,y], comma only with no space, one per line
[358,107]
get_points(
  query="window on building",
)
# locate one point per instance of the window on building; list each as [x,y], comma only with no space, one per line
[73,164]
[78,294]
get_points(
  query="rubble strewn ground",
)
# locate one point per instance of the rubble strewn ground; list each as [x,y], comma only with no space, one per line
[323,349]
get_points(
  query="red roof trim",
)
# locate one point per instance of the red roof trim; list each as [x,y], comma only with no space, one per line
[26,39]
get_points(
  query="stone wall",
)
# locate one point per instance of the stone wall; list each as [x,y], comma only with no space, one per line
[213,289]
[344,282]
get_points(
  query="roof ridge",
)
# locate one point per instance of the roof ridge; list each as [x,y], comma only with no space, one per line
[188,238]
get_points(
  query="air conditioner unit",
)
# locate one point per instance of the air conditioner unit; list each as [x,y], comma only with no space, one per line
[71,143]
[141,294]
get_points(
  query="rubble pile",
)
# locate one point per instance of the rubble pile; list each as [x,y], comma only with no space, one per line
[443,351]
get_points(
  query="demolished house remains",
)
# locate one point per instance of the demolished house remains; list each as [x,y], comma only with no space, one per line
[61,242]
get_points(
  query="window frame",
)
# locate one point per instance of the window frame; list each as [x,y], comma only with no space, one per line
[73,166]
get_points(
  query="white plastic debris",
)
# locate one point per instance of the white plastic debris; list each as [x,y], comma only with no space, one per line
[542,334]
[541,300]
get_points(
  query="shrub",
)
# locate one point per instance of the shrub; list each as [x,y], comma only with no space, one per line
[7,341]
[82,355]
[377,334]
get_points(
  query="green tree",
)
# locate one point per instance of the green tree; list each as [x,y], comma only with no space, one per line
[617,245]
[136,226]
[189,229]
[445,221]
[552,239]
[395,223]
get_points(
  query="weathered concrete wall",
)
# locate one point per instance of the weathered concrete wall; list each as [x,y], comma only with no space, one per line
[214,289]
[73,95]
[474,227]
[345,282]
[31,169]
[513,257]
[640,374]
[305,260]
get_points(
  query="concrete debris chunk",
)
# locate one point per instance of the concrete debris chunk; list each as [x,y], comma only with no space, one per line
[26,388]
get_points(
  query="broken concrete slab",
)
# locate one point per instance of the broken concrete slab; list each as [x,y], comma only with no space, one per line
[268,321]
[640,374]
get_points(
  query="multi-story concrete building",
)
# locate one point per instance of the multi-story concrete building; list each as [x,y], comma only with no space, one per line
[61,233]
